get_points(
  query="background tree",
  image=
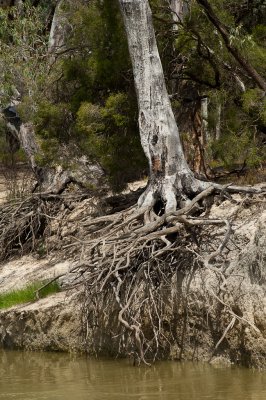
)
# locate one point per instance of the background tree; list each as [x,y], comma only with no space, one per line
[198,66]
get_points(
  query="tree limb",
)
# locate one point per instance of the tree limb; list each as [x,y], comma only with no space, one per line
[224,32]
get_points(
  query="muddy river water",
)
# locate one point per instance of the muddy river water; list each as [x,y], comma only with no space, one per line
[53,376]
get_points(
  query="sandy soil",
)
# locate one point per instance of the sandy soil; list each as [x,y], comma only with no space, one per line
[16,274]
[57,323]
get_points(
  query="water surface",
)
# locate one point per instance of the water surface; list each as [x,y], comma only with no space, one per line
[53,376]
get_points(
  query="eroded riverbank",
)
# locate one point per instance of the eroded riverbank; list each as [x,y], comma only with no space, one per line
[215,314]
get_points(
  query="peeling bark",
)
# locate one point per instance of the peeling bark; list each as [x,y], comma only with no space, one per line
[170,176]
[199,141]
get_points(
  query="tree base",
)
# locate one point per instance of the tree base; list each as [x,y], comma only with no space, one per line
[175,193]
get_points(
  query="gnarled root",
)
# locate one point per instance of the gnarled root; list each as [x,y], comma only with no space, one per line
[129,259]
[175,193]
[127,263]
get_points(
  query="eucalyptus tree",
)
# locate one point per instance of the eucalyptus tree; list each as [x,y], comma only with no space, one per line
[171,180]
[25,36]
[22,65]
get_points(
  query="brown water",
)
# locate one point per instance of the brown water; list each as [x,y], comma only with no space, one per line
[44,376]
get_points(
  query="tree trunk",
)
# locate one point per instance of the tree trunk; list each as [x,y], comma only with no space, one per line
[170,176]
[59,30]
[177,7]
[218,122]
[204,117]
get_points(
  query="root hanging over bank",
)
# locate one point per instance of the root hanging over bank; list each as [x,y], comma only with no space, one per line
[21,224]
[138,269]
[150,281]
[25,222]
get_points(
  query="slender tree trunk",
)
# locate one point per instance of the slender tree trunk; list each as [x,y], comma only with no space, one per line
[170,176]
[59,29]
[204,117]
[177,7]
[218,122]
[198,143]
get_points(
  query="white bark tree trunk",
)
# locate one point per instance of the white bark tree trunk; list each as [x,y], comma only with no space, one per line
[59,29]
[204,117]
[218,122]
[178,8]
[170,176]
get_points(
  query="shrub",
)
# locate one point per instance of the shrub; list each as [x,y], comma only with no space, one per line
[110,135]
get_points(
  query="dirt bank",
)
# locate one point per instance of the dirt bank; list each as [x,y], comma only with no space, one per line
[207,313]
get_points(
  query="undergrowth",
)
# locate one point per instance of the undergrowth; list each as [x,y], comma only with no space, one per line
[27,294]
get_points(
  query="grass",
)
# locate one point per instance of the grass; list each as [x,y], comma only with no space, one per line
[27,294]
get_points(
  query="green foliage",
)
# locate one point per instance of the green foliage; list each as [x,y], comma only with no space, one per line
[53,121]
[254,102]
[110,136]
[263,112]
[259,34]
[251,99]
[23,44]
[92,108]
[101,63]
[238,149]
[199,65]
[239,143]
[85,99]
[27,294]
[49,154]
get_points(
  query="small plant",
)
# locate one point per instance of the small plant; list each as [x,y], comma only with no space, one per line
[27,294]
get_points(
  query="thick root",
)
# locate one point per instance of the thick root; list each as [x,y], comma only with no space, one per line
[127,260]
[177,194]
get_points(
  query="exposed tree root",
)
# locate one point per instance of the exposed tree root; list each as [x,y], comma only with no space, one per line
[24,222]
[174,193]
[21,223]
[127,262]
